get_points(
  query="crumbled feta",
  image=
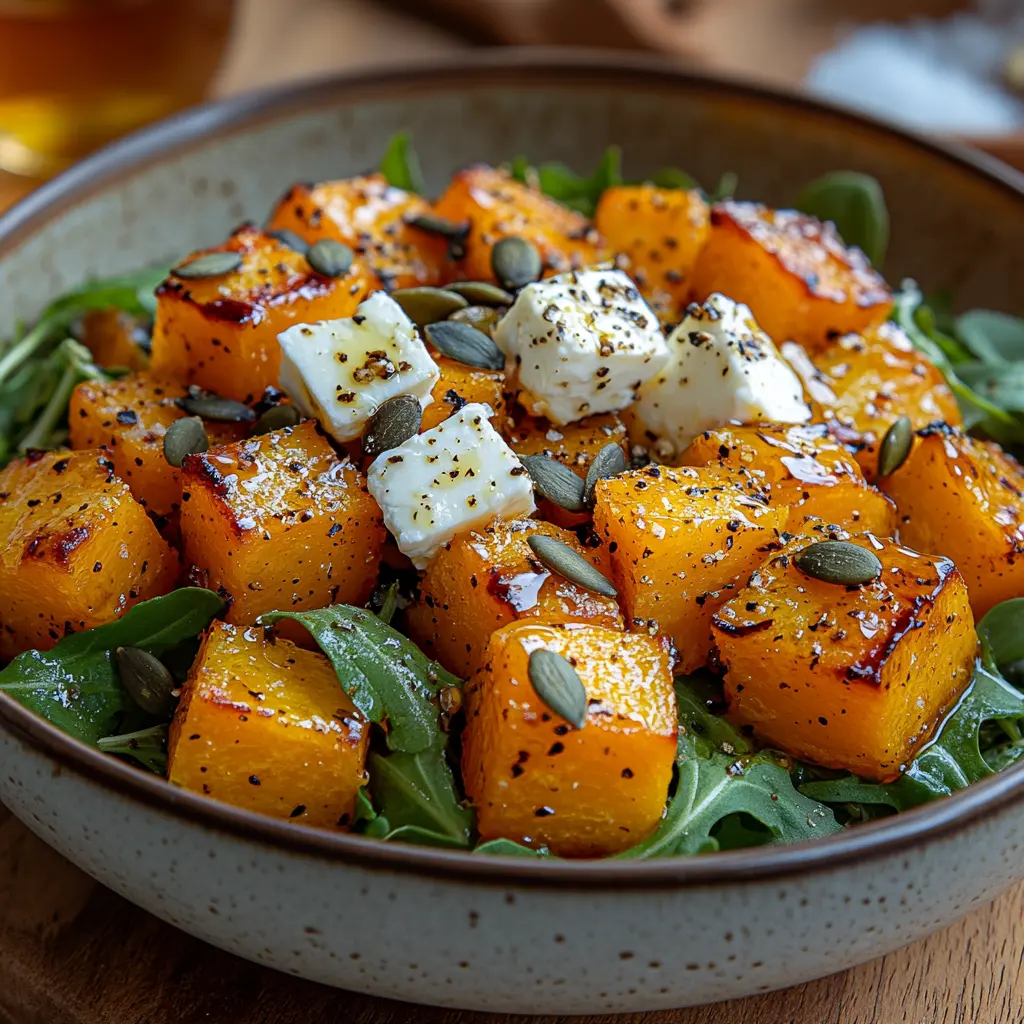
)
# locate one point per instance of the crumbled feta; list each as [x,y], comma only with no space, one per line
[339,371]
[457,477]
[580,343]
[724,369]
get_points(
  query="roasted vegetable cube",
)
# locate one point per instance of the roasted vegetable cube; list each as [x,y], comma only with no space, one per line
[461,385]
[793,271]
[130,417]
[657,235]
[849,677]
[78,549]
[803,467]
[265,726]
[485,579]
[681,542]
[280,523]
[536,779]
[115,339]
[220,332]
[372,217]
[964,499]
[495,205]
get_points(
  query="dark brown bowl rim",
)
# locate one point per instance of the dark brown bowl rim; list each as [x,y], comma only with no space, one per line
[487,67]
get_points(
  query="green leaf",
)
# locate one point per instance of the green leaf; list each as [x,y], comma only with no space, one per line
[579,192]
[994,338]
[148,747]
[388,603]
[855,203]
[1002,384]
[726,187]
[75,685]
[1001,629]
[672,177]
[510,848]
[401,166]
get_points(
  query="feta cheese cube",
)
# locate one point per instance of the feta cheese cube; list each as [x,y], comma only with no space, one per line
[724,369]
[580,343]
[457,477]
[339,371]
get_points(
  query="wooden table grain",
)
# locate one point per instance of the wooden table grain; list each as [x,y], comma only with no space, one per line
[75,953]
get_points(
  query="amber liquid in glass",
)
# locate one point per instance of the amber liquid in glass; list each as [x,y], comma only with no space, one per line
[75,74]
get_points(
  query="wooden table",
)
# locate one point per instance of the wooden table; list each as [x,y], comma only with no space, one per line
[73,952]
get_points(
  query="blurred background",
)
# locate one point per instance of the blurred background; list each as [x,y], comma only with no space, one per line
[76,73]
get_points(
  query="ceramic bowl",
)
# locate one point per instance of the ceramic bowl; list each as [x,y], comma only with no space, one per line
[473,931]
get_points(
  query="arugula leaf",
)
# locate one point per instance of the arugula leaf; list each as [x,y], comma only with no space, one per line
[76,686]
[396,686]
[855,203]
[148,747]
[578,192]
[510,848]
[401,166]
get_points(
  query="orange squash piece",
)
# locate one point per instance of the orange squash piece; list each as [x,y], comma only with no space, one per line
[115,339]
[78,550]
[657,235]
[803,467]
[793,271]
[495,205]
[265,726]
[130,417]
[221,332]
[681,542]
[854,678]
[372,217]
[460,385]
[536,779]
[964,499]
[485,579]
[279,523]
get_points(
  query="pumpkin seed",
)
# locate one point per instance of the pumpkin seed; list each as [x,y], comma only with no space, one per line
[289,238]
[609,461]
[895,446]
[515,262]
[557,555]
[558,483]
[483,318]
[394,422]
[277,418]
[213,264]
[435,225]
[213,407]
[185,437]
[465,344]
[558,685]
[330,258]
[148,681]
[840,562]
[428,305]
[482,293]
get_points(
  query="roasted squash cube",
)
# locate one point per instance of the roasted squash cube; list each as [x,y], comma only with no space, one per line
[461,385]
[130,417]
[495,205]
[221,332]
[681,542]
[115,339]
[964,499]
[78,549]
[485,579]
[855,678]
[657,235]
[265,726]
[372,217]
[536,779]
[803,467]
[279,523]
[793,271]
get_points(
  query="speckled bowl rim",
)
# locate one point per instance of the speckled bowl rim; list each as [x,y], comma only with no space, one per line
[536,67]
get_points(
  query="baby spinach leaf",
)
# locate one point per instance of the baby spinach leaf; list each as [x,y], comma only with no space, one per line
[579,192]
[855,203]
[994,338]
[148,747]
[1001,630]
[401,166]
[75,685]
[510,848]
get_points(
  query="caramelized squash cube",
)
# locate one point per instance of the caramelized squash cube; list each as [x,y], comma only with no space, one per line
[485,579]
[854,678]
[115,339]
[461,385]
[536,779]
[372,218]
[221,332]
[78,550]
[681,542]
[802,283]
[265,726]
[964,499]
[495,205]
[280,523]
